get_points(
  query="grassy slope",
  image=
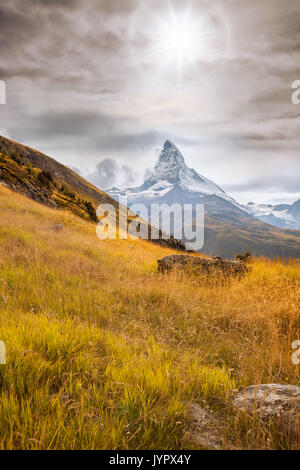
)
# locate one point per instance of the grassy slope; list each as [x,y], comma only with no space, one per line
[105,353]
[21,167]
[61,173]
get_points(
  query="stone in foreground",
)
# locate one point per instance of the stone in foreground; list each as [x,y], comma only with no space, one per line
[204,428]
[272,401]
[205,266]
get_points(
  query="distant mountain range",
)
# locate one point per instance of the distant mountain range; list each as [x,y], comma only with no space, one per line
[280,215]
[229,226]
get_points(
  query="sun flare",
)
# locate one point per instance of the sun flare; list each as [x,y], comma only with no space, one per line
[178,39]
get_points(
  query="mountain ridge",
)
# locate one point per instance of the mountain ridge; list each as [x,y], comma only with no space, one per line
[279,215]
[229,226]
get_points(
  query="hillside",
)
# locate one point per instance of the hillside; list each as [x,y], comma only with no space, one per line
[105,353]
[230,231]
[45,180]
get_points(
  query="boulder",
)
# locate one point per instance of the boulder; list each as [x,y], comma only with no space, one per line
[202,265]
[272,401]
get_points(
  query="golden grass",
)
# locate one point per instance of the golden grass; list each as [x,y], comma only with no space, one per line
[104,353]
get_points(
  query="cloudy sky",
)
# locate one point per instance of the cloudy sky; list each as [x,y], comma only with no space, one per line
[100,84]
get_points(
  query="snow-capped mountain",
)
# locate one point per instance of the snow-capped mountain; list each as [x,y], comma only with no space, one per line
[170,174]
[229,228]
[281,215]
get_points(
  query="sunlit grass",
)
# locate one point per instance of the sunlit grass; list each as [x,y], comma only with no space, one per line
[103,352]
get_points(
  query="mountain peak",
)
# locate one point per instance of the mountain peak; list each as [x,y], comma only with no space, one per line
[169,145]
[170,162]
[171,174]
[171,169]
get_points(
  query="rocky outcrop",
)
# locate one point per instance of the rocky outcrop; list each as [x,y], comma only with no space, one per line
[58,227]
[200,265]
[272,401]
[204,428]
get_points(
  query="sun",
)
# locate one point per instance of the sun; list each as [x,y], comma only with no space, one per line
[178,39]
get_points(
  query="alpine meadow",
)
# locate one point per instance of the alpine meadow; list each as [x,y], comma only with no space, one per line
[149,232]
[104,352]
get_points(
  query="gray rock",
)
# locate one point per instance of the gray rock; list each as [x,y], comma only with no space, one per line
[204,428]
[202,265]
[59,227]
[272,401]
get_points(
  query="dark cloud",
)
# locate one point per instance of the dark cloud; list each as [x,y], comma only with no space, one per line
[22,71]
[118,7]
[109,173]
[16,28]
[72,123]
[106,174]
[53,3]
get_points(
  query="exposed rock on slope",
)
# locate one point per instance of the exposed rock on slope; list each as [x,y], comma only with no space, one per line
[196,264]
[204,427]
[26,158]
[272,401]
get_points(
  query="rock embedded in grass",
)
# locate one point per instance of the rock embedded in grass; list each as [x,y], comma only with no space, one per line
[59,227]
[272,402]
[204,428]
[199,265]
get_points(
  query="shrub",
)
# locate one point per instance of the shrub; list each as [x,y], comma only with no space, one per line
[45,178]
[16,158]
[47,175]
[67,193]
[245,257]
[91,211]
